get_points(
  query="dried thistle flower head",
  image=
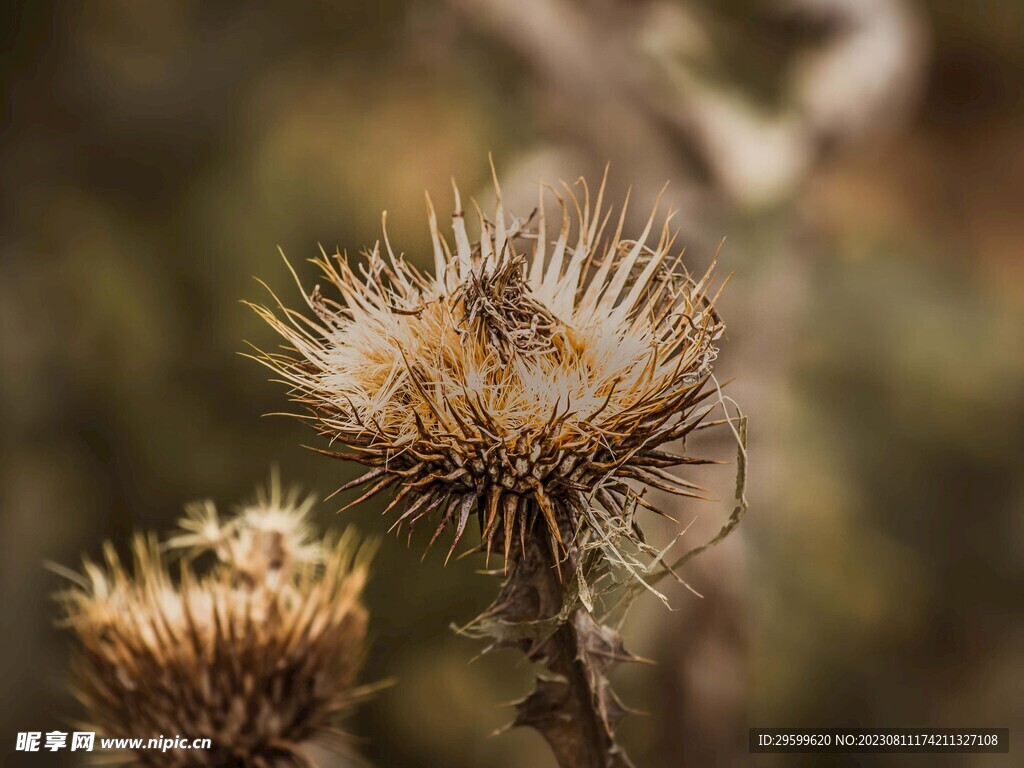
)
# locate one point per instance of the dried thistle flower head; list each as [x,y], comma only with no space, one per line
[529,381]
[258,652]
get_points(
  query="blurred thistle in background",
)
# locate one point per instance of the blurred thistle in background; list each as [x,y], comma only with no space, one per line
[257,652]
[863,158]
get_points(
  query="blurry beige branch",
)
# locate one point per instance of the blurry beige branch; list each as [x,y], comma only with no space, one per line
[638,72]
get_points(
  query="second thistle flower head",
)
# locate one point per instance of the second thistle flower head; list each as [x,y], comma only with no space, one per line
[257,651]
[527,381]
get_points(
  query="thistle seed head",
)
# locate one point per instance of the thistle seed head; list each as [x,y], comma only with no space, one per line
[531,381]
[258,651]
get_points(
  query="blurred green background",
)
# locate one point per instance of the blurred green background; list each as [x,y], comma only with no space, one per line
[864,160]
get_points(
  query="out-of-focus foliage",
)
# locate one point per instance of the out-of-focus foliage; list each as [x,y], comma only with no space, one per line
[154,155]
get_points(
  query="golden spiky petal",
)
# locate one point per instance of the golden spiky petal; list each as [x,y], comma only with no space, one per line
[529,378]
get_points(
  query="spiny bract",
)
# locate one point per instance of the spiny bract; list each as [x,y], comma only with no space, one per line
[259,652]
[530,378]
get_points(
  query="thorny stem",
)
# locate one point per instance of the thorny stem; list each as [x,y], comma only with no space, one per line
[572,705]
[539,611]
